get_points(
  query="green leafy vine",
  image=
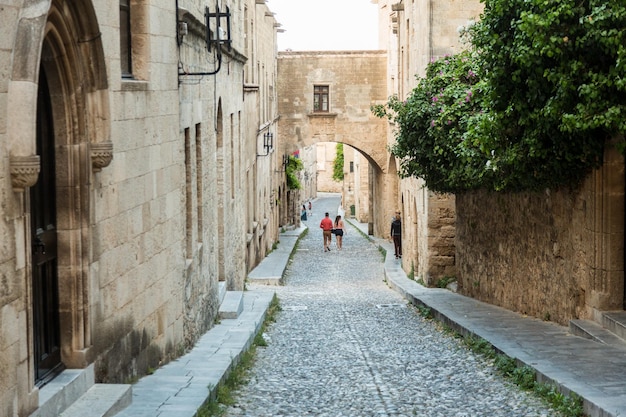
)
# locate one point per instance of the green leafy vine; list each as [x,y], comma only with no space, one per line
[294,165]
[338,164]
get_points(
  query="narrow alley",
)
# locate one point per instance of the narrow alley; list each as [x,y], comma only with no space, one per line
[345,344]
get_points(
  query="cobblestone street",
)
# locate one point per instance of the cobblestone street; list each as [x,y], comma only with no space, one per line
[345,344]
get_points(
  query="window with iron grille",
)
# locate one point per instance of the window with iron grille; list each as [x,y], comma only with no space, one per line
[320,98]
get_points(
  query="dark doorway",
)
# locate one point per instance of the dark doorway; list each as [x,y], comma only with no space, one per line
[46,334]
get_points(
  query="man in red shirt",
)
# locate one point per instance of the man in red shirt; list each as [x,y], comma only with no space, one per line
[326,225]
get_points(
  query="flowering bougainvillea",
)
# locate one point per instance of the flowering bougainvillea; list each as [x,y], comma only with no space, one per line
[431,140]
[530,105]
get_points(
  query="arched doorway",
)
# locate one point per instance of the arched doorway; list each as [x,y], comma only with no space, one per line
[72,117]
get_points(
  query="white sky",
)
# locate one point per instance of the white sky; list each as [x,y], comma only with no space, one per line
[326,25]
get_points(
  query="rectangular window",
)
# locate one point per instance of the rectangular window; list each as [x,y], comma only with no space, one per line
[188,196]
[125,39]
[320,98]
[351,166]
[199,182]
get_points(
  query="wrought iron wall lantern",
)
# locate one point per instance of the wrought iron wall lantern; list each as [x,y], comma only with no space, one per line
[221,33]
[218,33]
[268,143]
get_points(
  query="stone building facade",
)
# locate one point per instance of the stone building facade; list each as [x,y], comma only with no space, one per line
[356,190]
[131,186]
[414,32]
[326,154]
[263,177]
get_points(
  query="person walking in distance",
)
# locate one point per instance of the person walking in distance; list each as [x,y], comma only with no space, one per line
[327,226]
[339,232]
[396,234]
[303,213]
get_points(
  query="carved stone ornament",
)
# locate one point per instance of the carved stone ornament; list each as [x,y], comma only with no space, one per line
[101,155]
[24,171]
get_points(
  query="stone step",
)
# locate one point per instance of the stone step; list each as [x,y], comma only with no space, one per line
[101,400]
[57,395]
[615,322]
[593,331]
[232,305]
[222,290]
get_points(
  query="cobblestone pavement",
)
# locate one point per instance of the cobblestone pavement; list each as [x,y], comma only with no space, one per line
[347,345]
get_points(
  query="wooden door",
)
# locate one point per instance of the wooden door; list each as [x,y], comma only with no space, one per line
[46,334]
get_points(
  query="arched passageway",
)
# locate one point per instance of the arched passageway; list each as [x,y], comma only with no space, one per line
[326,97]
[369,193]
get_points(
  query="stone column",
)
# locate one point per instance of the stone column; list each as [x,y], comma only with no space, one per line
[607,288]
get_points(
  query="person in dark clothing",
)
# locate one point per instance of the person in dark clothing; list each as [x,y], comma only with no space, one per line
[303,213]
[396,234]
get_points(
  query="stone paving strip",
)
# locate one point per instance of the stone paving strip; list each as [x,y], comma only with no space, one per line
[180,387]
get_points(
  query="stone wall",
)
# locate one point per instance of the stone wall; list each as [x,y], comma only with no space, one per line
[555,255]
[528,254]
[428,232]
[441,235]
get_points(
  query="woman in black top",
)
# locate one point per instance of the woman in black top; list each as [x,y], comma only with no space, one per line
[338,231]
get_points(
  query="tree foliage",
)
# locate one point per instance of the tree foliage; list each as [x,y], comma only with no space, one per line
[549,89]
[338,164]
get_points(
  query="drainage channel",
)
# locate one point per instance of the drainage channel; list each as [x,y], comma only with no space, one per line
[392,305]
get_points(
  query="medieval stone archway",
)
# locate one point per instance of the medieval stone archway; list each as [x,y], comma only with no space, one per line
[61,39]
[325,96]
[73,58]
